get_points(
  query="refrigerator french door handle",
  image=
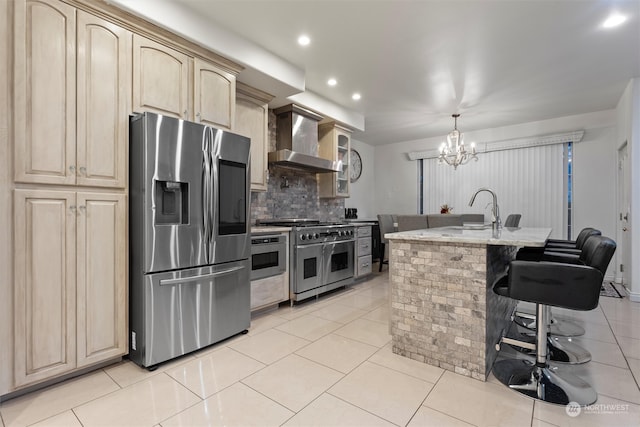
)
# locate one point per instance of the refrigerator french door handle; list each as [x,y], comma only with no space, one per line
[216,137]
[165,282]
[206,192]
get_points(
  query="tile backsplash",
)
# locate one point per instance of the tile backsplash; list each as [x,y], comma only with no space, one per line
[292,194]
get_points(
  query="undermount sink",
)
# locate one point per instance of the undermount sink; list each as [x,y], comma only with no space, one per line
[473,227]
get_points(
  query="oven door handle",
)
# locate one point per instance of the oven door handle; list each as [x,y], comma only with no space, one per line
[165,282]
[312,245]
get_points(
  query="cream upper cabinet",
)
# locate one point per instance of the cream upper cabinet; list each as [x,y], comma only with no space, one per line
[70,61]
[214,95]
[252,120]
[334,144]
[161,81]
[71,287]
[45,279]
[45,91]
[103,99]
[101,277]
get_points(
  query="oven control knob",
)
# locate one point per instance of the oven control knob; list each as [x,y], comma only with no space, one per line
[350,232]
[316,235]
[302,237]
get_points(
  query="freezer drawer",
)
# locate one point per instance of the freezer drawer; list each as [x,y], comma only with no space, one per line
[182,311]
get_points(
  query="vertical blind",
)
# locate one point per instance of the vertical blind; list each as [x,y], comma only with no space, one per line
[529,181]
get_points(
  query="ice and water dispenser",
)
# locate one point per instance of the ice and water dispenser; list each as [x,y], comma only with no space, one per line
[172,202]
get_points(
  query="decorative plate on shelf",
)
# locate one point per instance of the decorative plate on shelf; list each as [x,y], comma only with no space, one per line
[356,165]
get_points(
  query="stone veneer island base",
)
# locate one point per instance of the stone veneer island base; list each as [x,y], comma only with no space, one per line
[443,309]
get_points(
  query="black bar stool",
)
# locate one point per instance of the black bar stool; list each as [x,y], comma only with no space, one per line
[572,286]
[554,250]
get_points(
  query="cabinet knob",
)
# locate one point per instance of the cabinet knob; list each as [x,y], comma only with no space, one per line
[83,171]
[185,112]
[72,169]
[73,208]
[197,114]
[82,209]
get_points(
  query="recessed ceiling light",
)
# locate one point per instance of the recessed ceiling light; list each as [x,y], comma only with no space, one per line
[304,40]
[356,96]
[332,82]
[614,20]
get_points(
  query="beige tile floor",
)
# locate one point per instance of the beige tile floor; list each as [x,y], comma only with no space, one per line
[328,362]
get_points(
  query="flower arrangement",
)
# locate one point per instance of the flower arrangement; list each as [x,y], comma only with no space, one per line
[445,209]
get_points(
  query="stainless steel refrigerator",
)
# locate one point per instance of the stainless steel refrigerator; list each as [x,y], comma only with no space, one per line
[189,237]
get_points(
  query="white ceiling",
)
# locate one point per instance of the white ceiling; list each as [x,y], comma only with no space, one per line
[415,63]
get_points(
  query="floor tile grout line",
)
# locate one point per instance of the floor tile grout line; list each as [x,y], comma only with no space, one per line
[362,409]
[77,417]
[623,353]
[402,372]
[73,407]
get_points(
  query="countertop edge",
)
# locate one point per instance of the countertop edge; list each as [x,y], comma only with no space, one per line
[535,237]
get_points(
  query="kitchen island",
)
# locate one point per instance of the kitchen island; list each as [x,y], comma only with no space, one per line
[443,309]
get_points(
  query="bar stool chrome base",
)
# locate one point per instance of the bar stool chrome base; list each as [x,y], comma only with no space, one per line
[561,350]
[558,327]
[543,382]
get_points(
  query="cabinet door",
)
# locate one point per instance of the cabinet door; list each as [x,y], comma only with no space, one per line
[45,91]
[214,95]
[160,79]
[343,147]
[45,328]
[334,144]
[252,118]
[104,88]
[101,277]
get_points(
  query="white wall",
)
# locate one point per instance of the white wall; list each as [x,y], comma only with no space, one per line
[628,129]
[363,190]
[595,176]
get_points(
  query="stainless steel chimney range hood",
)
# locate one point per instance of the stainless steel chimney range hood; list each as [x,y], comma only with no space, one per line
[297,141]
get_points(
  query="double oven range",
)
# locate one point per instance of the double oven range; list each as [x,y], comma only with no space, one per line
[321,256]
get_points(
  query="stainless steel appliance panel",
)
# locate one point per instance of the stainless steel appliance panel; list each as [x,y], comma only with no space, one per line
[190,309]
[173,187]
[195,183]
[231,197]
[268,255]
[307,272]
[338,261]
[189,237]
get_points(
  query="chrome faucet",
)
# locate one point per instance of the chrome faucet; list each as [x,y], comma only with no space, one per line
[496,223]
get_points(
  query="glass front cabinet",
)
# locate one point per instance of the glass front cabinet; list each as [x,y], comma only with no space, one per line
[334,144]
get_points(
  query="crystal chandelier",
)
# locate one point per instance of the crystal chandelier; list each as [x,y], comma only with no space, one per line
[453,152]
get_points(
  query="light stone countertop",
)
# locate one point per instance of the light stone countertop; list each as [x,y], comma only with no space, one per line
[482,234]
[269,229]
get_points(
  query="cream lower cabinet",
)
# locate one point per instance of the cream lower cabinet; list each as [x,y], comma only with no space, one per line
[252,120]
[70,281]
